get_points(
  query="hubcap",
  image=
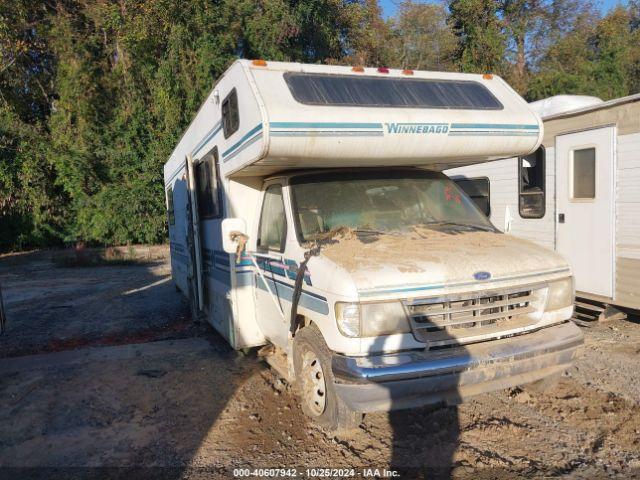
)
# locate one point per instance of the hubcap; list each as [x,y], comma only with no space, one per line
[313,384]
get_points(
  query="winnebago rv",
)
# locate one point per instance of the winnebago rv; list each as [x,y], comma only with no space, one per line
[308,214]
[578,194]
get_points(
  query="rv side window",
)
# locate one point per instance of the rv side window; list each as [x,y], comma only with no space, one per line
[208,186]
[584,174]
[230,114]
[272,233]
[531,173]
[170,211]
[478,190]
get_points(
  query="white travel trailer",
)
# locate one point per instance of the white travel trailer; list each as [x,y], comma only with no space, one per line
[307,214]
[579,194]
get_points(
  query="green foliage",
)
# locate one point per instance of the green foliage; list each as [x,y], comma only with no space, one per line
[598,57]
[481,40]
[94,94]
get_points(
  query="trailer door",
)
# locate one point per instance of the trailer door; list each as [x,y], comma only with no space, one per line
[585,207]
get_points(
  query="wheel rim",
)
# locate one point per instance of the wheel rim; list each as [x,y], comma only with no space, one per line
[313,384]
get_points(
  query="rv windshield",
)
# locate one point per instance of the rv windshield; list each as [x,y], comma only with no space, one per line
[378,201]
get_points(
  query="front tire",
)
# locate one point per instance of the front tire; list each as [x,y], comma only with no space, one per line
[316,384]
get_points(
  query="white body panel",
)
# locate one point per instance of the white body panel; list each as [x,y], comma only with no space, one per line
[277,132]
[585,237]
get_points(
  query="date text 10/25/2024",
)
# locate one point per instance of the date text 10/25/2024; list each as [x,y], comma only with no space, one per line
[315,473]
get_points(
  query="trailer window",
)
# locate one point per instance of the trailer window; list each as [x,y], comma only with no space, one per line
[170,210]
[478,191]
[208,186]
[272,233]
[230,114]
[531,174]
[584,174]
[348,90]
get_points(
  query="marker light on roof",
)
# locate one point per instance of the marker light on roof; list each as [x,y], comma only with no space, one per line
[357,69]
[407,72]
[259,63]
[487,76]
[383,70]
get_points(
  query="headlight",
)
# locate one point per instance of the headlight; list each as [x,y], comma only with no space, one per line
[371,319]
[561,294]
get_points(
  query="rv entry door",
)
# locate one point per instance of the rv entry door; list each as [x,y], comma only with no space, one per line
[585,207]
[194,276]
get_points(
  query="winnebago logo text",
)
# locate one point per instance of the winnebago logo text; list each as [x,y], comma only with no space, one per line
[417,127]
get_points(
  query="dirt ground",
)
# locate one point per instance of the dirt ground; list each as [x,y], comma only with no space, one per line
[103,375]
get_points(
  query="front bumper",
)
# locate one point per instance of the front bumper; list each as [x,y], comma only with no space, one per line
[448,376]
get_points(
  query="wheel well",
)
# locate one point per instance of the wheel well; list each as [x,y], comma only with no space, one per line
[302,322]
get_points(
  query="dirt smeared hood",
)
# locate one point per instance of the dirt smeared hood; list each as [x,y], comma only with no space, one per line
[436,257]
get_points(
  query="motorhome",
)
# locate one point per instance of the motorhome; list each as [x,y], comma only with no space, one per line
[576,194]
[309,216]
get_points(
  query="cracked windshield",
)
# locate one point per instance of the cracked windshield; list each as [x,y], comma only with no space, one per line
[381,203]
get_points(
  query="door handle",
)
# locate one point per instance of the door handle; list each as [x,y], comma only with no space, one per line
[561,218]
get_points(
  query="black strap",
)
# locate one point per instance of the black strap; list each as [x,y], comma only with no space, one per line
[297,288]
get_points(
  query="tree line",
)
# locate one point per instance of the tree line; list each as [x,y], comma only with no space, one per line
[94,94]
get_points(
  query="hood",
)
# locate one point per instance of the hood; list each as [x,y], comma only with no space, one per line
[437,258]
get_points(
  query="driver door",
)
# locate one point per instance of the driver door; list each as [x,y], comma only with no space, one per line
[272,289]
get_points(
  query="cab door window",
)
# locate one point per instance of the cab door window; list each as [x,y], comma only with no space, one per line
[272,233]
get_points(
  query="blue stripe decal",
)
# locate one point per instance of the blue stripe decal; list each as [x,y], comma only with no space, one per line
[180,258]
[324,125]
[495,134]
[209,136]
[366,293]
[308,300]
[248,135]
[500,126]
[321,133]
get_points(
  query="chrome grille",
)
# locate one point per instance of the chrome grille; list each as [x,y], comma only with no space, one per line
[440,321]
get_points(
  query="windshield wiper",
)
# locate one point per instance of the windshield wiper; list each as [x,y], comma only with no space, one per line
[368,231]
[465,225]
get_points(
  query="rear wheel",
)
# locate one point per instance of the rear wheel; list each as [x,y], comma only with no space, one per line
[315,382]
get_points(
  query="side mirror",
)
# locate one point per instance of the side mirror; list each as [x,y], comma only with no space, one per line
[233,231]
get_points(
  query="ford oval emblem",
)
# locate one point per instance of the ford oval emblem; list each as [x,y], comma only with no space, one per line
[482,275]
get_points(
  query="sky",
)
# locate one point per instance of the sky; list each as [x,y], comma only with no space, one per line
[389,6]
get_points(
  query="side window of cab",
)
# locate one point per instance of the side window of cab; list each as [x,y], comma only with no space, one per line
[272,232]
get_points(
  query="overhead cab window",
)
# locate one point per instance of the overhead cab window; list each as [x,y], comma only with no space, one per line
[349,90]
[208,186]
[478,190]
[531,173]
[230,114]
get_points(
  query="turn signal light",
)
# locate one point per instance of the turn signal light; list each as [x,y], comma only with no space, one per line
[487,76]
[407,72]
[357,69]
[259,63]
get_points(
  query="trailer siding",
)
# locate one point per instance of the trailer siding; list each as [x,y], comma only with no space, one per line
[503,184]
[627,287]
[626,117]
